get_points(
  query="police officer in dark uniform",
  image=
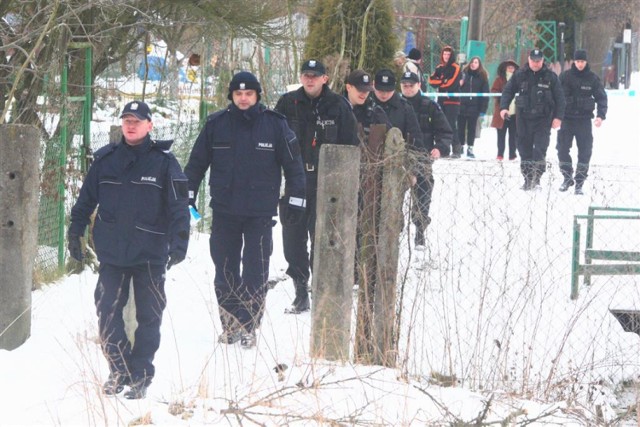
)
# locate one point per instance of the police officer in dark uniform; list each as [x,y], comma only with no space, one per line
[318,116]
[358,86]
[539,107]
[437,136]
[402,116]
[141,228]
[246,146]
[583,90]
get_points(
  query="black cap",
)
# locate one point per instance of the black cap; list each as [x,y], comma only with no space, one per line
[244,80]
[415,54]
[313,66]
[580,55]
[536,54]
[385,80]
[361,80]
[409,76]
[137,108]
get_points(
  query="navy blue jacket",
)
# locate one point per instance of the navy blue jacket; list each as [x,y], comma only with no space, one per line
[582,90]
[142,200]
[247,152]
[402,116]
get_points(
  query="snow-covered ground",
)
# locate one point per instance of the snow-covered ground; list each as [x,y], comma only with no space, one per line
[486,302]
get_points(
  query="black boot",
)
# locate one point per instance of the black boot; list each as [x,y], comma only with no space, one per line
[137,390]
[579,188]
[301,303]
[568,182]
[115,384]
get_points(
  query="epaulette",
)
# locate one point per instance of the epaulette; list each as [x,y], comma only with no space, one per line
[104,151]
[275,113]
[344,100]
[217,114]
[162,144]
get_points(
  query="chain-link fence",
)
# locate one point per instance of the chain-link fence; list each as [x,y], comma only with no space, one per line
[486,302]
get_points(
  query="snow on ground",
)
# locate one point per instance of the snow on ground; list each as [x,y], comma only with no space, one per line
[462,318]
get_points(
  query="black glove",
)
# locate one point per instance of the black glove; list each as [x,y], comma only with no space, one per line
[175,258]
[292,210]
[75,247]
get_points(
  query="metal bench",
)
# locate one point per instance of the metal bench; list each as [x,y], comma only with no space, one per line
[628,261]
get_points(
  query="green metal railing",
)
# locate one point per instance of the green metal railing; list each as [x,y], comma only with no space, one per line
[630,259]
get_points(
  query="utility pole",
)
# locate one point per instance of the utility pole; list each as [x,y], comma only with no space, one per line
[476,11]
[561,26]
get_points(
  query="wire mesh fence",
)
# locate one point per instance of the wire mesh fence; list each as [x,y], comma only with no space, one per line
[487,300]
[485,303]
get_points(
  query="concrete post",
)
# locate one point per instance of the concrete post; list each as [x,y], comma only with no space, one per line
[394,185]
[19,189]
[334,251]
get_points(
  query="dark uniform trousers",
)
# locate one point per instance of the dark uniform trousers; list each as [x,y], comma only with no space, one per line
[580,128]
[296,237]
[241,296]
[533,141]
[422,192]
[111,295]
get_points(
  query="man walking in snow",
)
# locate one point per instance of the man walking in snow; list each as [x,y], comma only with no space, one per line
[539,107]
[141,229]
[437,137]
[582,90]
[246,147]
[318,116]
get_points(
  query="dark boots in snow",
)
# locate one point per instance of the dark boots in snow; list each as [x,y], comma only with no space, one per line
[301,303]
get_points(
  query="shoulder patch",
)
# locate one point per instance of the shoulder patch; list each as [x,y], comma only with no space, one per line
[104,151]
[275,113]
[217,114]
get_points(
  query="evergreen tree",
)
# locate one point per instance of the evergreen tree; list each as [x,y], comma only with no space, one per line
[570,12]
[347,35]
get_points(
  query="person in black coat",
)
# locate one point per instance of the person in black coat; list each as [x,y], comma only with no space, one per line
[437,136]
[318,116]
[246,147]
[539,108]
[583,91]
[402,116]
[476,80]
[141,229]
[358,85]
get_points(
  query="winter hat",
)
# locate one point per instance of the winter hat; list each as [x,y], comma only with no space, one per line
[415,54]
[361,80]
[385,80]
[138,109]
[409,76]
[536,55]
[313,66]
[580,55]
[244,80]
